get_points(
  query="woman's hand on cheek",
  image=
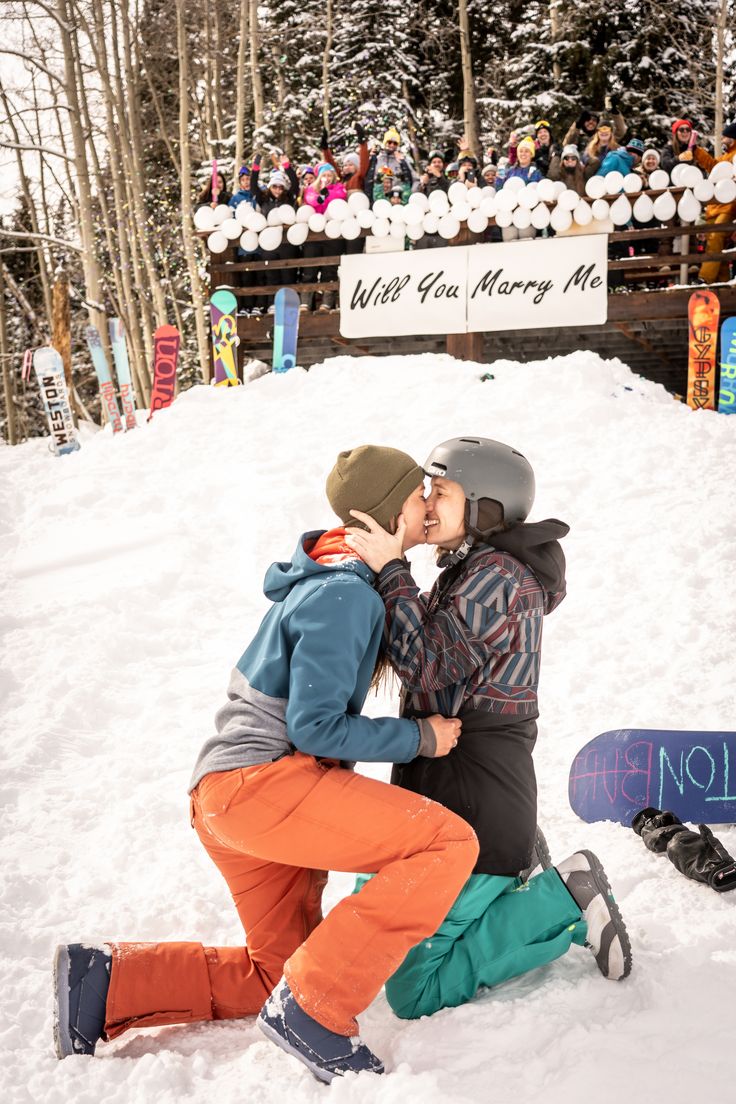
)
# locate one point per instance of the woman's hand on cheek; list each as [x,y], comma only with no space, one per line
[376,547]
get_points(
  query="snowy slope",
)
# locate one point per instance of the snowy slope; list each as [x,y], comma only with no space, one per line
[132,582]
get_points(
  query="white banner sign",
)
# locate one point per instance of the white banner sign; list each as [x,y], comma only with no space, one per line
[464,289]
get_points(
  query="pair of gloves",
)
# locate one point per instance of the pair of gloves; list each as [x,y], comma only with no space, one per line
[697,855]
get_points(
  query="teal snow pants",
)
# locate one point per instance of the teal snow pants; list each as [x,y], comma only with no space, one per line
[497,929]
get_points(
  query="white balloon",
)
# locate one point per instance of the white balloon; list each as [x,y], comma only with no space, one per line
[257,222]
[204,218]
[431,223]
[515,183]
[595,187]
[704,191]
[677,172]
[688,208]
[273,218]
[665,207]
[568,200]
[217,242]
[632,183]
[546,191]
[614,182]
[243,213]
[558,188]
[333,228]
[460,211]
[337,209]
[725,190]
[365,218]
[474,198]
[270,238]
[529,198]
[658,180]
[487,190]
[691,177]
[621,211]
[457,192]
[420,200]
[438,202]
[413,214]
[540,216]
[560,219]
[582,214]
[304,213]
[397,213]
[381,227]
[316,222]
[477,221]
[287,214]
[507,199]
[350,229]
[221,212]
[601,210]
[488,206]
[358,201]
[643,208]
[297,233]
[509,233]
[397,230]
[415,231]
[721,171]
[249,240]
[449,227]
[522,217]
[504,218]
[382,208]
[231,228]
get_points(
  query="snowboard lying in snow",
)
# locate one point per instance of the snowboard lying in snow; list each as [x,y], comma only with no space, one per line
[620,772]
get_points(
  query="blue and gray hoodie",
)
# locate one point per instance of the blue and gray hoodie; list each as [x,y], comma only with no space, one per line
[302,682]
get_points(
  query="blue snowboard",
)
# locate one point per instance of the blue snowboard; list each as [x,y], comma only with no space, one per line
[285,329]
[692,773]
[727,389]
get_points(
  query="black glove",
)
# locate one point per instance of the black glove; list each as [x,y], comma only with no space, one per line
[324,141]
[323,195]
[700,856]
[657,828]
[613,103]
[359,134]
[581,120]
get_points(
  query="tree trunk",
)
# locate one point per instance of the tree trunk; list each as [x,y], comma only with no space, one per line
[10,419]
[721,24]
[187,225]
[255,72]
[326,68]
[240,93]
[470,114]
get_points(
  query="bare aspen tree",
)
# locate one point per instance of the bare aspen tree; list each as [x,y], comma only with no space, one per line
[9,395]
[255,72]
[470,114]
[244,25]
[326,66]
[555,22]
[721,25]
[187,226]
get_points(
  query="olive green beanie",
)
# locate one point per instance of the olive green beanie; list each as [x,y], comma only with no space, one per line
[373,479]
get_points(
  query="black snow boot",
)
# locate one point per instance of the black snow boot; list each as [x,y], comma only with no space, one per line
[697,855]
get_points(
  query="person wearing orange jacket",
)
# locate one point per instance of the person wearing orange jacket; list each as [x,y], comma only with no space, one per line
[276,805]
[717,213]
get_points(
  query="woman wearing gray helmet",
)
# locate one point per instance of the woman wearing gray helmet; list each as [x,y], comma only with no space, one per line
[471,649]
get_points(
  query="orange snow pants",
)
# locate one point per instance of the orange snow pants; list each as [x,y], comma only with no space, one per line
[273,831]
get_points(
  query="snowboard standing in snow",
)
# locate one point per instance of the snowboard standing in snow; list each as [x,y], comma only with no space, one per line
[122,368]
[102,368]
[621,772]
[703,310]
[285,329]
[223,309]
[49,370]
[166,341]
[727,390]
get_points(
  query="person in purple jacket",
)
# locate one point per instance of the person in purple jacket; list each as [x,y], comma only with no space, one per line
[471,649]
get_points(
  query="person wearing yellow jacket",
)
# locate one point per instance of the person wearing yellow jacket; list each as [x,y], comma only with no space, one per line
[717,213]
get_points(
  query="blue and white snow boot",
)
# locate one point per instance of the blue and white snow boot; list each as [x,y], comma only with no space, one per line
[324,1052]
[586,882]
[81,982]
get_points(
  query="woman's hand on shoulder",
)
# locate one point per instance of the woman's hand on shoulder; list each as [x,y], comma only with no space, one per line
[376,547]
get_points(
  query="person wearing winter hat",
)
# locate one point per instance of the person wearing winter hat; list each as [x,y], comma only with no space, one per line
[603,154]
[489,173]
[353,166]
[545,149]
[680,146]
[276,807]
[433,178]
[282,189]
[717,212]
[473,644]
[524,167]
[389,159]
[568,168]
[583,130]
[320,195]
[650,160]
[635,147]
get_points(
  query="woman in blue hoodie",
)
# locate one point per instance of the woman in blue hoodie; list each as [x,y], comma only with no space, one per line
[276,805]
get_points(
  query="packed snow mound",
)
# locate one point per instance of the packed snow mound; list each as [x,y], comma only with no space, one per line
[133,572]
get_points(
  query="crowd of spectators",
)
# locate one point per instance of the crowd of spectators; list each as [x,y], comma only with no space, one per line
[595,144]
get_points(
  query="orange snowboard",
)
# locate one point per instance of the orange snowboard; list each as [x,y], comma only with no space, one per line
[703,312]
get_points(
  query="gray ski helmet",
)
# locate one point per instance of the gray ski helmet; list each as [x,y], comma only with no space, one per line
[486,469]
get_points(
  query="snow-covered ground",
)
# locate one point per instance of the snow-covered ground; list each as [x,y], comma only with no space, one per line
[133,582]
